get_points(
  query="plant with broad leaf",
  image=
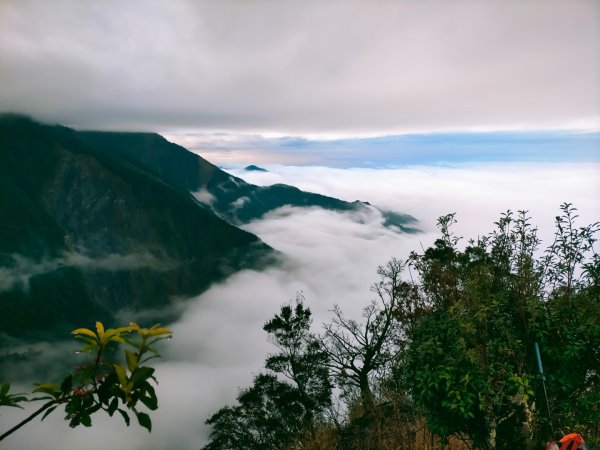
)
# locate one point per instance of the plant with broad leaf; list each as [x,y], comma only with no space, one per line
[107,383]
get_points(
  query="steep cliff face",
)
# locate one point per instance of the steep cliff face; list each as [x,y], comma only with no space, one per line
[85,232]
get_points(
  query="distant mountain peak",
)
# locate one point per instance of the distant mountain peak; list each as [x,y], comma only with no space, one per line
[253,168]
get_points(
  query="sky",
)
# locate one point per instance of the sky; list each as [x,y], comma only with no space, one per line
[303,69]
[235,150]
[421,107]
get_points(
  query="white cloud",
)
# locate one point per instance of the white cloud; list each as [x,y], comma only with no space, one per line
[22,269]
[219,344]
[478,193]
[203,196]
[240,202]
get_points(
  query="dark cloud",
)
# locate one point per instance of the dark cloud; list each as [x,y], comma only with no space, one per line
[301,66]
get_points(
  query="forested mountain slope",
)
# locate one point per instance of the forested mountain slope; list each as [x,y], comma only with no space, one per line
[85,232]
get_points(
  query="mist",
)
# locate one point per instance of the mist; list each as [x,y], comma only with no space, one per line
[22,269]
[331,258]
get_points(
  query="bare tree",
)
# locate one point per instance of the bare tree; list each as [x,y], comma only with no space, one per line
[358,351]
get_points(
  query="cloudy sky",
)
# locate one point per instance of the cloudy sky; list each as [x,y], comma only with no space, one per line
[308,69]
[421,107]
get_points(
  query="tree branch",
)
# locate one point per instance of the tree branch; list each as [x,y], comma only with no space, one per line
[43,408]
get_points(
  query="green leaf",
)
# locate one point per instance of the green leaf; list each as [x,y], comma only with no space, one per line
[67,384]
[132,360]
[86,420]
[158,331]
[88,348]
[11,400]
[84,331]
[75,402]
[125,416]
[141,374]
[121,375]
[49,411]
[118,339]
[48,388]
[151,402]
[87,401]
[92,409]
[100,330]
[111,333]
[144,420]
[113,406]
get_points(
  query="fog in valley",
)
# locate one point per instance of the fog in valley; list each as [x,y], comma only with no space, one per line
[331,258]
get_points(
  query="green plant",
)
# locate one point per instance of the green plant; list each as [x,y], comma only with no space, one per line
[470,363]
[446,355]
[275,414]
[116,379]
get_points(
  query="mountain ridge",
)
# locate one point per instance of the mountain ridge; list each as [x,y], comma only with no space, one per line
[228,196]
[63,200]
[93,222]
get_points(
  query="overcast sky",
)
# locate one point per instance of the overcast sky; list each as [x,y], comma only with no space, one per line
[303,68]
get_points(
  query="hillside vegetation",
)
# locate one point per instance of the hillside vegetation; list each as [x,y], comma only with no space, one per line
[84,233]
[444,357]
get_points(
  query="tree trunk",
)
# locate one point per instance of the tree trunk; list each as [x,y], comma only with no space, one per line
[366,395]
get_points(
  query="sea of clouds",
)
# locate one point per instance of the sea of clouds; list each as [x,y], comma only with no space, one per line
[219,345]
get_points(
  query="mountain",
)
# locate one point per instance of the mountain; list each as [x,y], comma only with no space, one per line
[253,168]
[92,223]
[85,232]
[229,197]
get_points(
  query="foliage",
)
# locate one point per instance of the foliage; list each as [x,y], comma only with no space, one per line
[445,355]
[274,414]
[471,365]
[302,358]
[106,383]
[571,335]
[7,399]
[269,416]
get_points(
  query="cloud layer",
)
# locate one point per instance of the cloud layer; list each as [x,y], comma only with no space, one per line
[299,67]
[396,150]
[21,269]
[219,344]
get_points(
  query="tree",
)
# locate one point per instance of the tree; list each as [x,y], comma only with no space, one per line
[452,344]
[357,351]
[570,334]
[269,415]
[105,383]
[302,358]
[470,363]
[273,414]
